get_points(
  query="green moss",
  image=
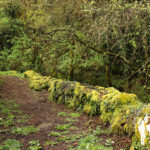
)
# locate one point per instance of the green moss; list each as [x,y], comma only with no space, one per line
[30,74]
[37,82]
[77,89]
[95,96]
[113,101]
[87,109]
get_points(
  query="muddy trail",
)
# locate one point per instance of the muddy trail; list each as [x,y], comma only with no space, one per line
[58,127]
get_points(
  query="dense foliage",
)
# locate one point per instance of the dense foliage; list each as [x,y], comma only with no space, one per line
[98,42]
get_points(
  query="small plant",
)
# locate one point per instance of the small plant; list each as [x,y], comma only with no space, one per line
[63,138]
[10,144]
[90,142]
[53,133]
[71,120]
[4,130]
[74,115]
[52,143]
[74,128]
[34,145]
[63,126]
[62,114]
[75,137]
[8,121]
[24,130]
[100,131]
[109,142]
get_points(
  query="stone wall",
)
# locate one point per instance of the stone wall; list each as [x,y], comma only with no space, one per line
[122,111]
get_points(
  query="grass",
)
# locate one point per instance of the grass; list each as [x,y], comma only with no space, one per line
[62,114]
[11,73]
[24,130]
[63,126]
[75,115]
[51,143]
[71,120]
[54,133]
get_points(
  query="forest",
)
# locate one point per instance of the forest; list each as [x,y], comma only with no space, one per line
[79,45]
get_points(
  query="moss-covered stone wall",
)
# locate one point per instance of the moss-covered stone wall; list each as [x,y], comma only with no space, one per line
[121,110]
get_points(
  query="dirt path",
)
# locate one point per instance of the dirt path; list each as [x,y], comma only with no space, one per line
[45,116]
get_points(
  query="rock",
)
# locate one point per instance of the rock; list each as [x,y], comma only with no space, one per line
[44,126]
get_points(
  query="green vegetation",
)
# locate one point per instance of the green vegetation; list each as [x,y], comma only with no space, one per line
[100,131]
[52,143]
[62,114]
[11,73]
[90,143]
[10,145]
[24,130]
[76,43]
[34,145]
[63,126]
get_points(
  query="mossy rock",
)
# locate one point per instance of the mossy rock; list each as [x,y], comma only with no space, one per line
[37,82]
[136,140]
[115,101]
[30,74]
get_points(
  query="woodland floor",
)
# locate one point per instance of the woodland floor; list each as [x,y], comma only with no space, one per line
[46,116]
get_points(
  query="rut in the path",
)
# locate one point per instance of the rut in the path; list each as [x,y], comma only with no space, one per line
[44,114]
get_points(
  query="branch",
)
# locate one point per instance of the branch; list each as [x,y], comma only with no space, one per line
[101,51]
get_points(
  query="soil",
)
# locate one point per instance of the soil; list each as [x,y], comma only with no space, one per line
[44,115]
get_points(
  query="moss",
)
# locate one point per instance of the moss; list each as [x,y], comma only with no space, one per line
[115,100]
[95,95]
[31,74]
[37,82]
[87,109]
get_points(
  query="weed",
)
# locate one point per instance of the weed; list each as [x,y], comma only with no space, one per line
[90,142]
[74,115]
[24,130]
[53,133]
[65,132]
[49,142]
[63,139]
[10,145]
[75,137]
[4,130]
[100,131]
[63,126]
[71,120]
[109,142]
[20,121]
[74,128]
[62,114]
[8,121]
[34,145]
